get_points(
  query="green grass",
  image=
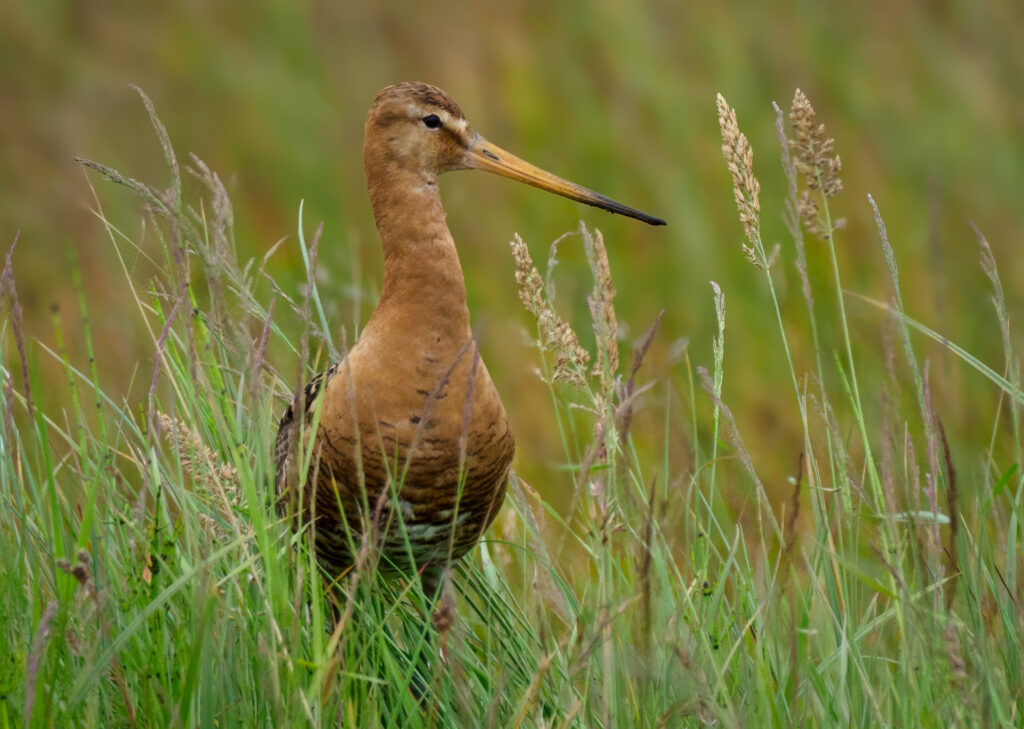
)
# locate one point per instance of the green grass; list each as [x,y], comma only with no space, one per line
[147,581]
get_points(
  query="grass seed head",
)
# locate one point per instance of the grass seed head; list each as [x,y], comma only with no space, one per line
[815,157]
[815,153]
[557,336]
[602,307]
[198,460]
[739,157]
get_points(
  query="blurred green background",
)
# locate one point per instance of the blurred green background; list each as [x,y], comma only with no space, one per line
[924,99]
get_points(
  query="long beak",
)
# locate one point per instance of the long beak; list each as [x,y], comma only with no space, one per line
[486,156]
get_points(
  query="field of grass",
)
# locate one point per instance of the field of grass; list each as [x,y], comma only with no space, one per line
[148,582]
[792,497]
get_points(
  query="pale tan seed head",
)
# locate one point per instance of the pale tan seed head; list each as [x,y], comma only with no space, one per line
[815,153]
[602,308]
[739,157]
[814,156]
[198,460]
[556,335]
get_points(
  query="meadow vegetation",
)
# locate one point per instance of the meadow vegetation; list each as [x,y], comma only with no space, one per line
[147,580]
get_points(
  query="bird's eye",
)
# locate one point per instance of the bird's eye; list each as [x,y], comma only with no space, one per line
[432,121]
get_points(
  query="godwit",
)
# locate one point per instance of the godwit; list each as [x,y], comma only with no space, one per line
[410,420]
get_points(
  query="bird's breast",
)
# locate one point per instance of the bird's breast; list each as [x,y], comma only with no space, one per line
[426,426]
[425,415]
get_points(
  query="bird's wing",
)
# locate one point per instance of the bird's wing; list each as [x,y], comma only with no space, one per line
[285,445]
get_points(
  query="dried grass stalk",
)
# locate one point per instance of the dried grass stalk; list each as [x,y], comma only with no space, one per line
[557,336]
[739,156]
[815,157]
[602,308]
[199,461]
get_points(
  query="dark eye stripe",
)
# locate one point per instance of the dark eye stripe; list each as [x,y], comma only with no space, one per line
[432,121]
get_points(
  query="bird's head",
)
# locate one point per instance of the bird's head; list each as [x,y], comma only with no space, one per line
[420,129]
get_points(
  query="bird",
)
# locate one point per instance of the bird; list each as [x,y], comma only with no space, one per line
[412,447]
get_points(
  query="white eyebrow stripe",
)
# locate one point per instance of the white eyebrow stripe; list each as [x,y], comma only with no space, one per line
[450,121]
[459,124]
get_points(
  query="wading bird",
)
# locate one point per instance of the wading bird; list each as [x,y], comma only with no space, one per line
[410,421]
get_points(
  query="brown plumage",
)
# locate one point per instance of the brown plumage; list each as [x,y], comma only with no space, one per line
[410,419]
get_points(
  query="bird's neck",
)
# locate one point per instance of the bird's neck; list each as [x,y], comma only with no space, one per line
[423,281]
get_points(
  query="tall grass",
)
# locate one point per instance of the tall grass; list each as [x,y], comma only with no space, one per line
[147,580]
